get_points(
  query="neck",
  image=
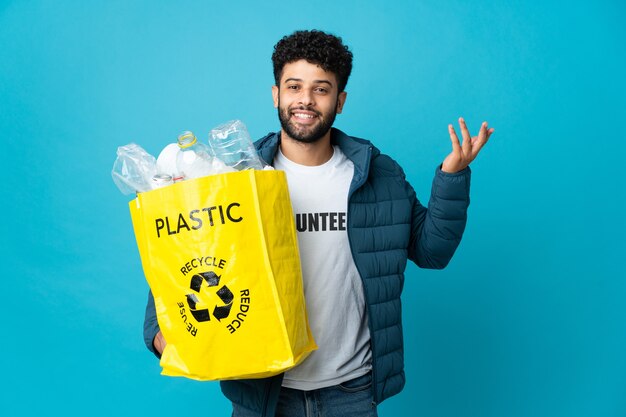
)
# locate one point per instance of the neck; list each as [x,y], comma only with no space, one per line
[308,154]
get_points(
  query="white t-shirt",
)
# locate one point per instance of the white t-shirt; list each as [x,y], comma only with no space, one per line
[332,286]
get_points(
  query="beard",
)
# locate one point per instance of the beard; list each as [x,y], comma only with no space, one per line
[306,134]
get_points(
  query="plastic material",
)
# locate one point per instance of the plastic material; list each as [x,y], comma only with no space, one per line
[133,169]
[161,180]
[195,160]
[166,161]
[231,143]
[220,255]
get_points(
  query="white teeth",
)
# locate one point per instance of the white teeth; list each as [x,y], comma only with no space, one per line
[303,116]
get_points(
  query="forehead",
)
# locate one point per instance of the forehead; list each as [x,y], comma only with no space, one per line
[307,72]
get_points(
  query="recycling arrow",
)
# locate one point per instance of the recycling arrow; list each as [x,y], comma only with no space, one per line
[224,294]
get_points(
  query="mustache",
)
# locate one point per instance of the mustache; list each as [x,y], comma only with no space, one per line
[306,108]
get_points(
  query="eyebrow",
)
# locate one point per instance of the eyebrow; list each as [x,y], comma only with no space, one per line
[314,81]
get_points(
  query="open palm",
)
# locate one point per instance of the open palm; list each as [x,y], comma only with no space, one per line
[462,155]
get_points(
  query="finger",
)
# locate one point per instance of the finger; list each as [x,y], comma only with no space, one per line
[467,139]
[489,132]
[481,139]
[456,145]
[483,131]
[479,145]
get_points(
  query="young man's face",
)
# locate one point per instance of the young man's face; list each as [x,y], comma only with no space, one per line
[307,100]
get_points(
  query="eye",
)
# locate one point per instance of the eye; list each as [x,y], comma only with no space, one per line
[321,90]
[293,87]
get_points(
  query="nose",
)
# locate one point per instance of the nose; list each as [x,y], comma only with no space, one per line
[306,98]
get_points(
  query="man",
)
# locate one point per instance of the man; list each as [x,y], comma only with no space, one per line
[355,211]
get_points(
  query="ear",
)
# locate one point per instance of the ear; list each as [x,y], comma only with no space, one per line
[275,91]
[341,99]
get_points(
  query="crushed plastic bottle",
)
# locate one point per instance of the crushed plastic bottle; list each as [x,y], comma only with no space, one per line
[231,143]
[133,169]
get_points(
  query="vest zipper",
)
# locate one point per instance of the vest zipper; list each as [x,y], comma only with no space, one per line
[369,322]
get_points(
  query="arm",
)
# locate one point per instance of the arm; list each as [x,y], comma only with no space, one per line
[152,335]
[437,232]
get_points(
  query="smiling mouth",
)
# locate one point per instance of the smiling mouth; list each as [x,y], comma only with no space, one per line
[305,116]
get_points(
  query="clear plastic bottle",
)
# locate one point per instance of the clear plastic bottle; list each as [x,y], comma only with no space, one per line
[231,143]
[194,159]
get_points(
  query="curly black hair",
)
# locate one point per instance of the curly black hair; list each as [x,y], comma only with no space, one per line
[316,47]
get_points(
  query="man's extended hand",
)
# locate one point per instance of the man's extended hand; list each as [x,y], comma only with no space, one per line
[462,155]
[159,342]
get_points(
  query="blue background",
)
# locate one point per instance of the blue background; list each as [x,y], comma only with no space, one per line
[529,319]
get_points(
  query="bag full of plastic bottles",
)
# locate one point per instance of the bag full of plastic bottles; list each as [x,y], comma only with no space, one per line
[218,246]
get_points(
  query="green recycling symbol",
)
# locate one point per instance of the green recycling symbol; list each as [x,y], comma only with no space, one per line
[225,295]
